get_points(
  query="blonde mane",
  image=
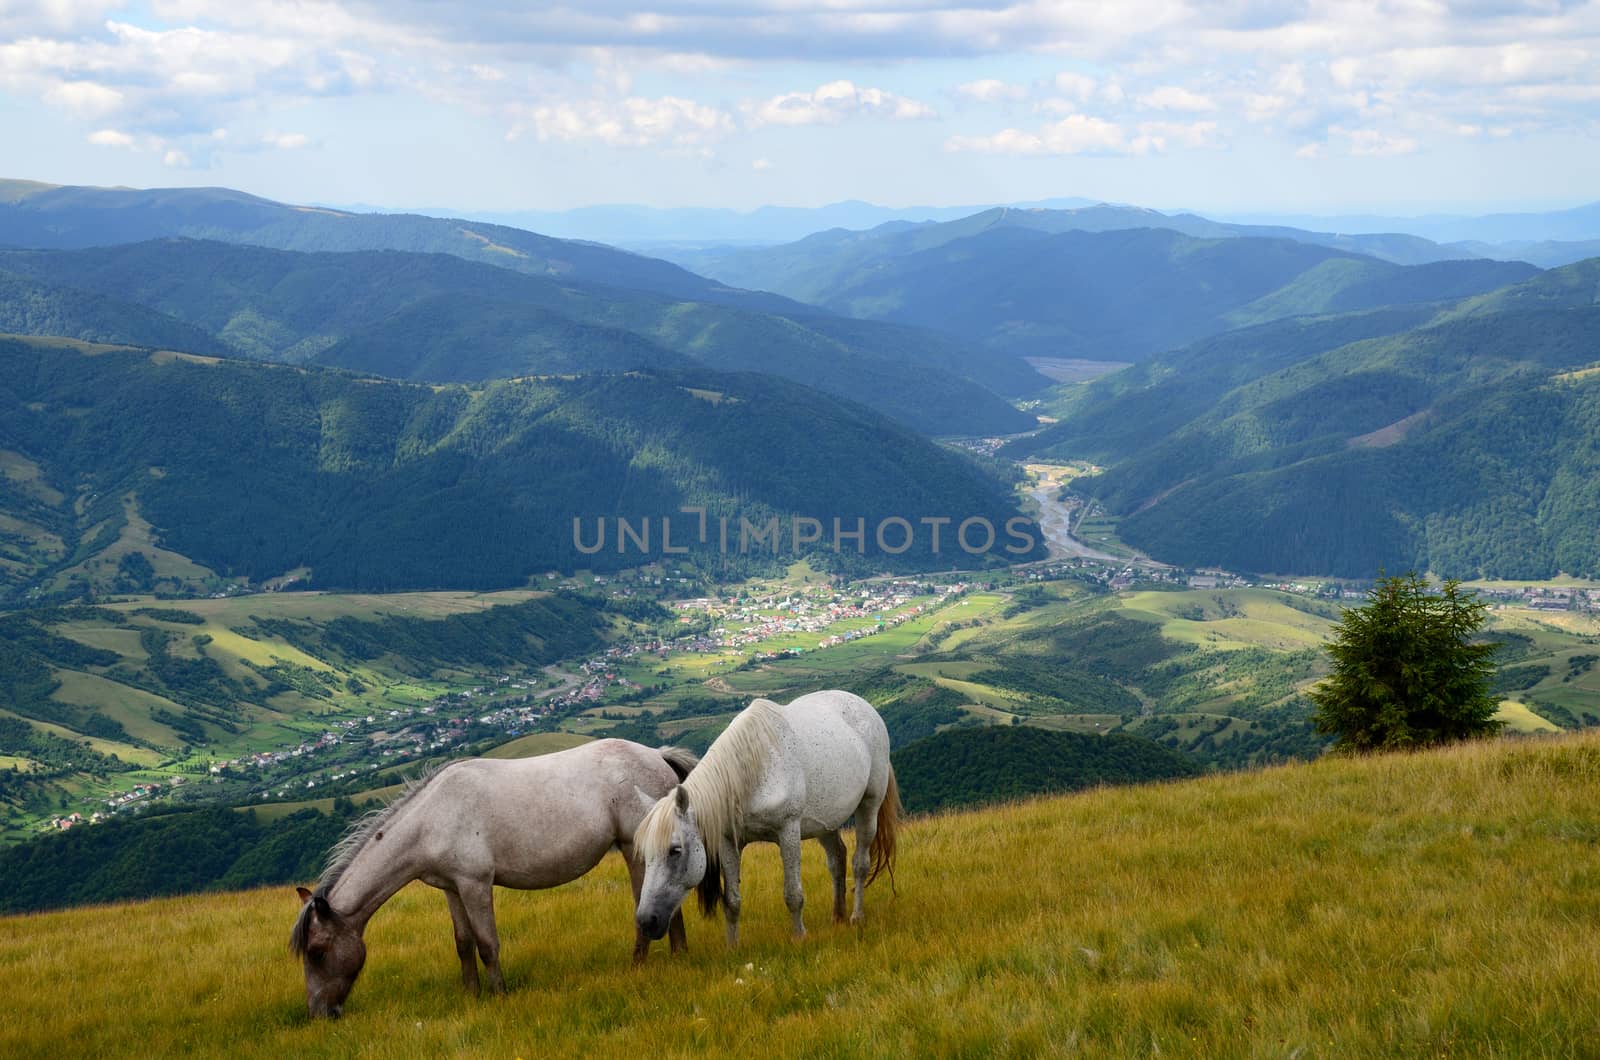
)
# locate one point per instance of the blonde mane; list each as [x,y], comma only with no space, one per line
[717,789]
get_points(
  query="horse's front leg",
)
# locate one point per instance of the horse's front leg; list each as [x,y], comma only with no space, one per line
[641,941]
[730,856]
[676,935]
[794,895]
[466,945]
[477,897]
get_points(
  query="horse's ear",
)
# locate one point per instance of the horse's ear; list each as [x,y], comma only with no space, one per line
[683,798]
[320,908]
[305,895]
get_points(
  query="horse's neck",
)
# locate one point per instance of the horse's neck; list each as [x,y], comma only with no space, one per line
[383,865]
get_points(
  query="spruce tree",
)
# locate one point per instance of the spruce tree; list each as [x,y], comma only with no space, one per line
[1408,670]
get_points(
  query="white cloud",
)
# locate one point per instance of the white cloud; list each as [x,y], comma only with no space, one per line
[834,102]
[1073,135]
[1389,74]
[1176,97]
[1079,134]
[286,141]
[110,138]
[1374,143]
[175,159]
[630,122]
[989,90]
[1309,151]
[1158,135]
[84,98]
[761,165]
[1073,85]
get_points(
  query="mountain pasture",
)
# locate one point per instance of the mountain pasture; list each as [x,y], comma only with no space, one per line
[1443,902]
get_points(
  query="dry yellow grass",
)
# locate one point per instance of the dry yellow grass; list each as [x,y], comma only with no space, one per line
[1442,903]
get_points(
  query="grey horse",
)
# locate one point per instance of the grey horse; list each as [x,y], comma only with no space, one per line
[527,823]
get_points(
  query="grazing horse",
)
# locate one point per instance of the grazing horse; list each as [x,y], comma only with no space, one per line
[778,774]
[524,822]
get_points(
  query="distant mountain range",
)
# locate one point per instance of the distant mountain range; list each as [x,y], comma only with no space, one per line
[1576,223]
[647,227]
[1110,283]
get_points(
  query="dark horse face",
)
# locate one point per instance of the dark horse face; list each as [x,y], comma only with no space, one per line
[332,951]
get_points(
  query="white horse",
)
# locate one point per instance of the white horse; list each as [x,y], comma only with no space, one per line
[778,774]
[524,822]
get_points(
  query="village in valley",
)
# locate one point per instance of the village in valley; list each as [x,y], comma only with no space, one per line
[742,625]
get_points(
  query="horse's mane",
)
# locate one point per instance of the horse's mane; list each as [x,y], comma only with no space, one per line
[342,853]
[718,787]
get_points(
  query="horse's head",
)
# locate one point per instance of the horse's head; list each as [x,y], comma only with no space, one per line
[332,951]
[669,845]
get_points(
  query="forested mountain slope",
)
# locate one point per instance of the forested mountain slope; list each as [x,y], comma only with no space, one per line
[210,468]
[437,318]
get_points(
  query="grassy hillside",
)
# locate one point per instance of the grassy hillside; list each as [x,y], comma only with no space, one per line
[120,466]
[1410,905]
[436,318]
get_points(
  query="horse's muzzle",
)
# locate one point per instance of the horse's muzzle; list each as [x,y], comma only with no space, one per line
[653,925]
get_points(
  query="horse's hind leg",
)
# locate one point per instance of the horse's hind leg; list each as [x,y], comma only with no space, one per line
[837,867]
[477,898]
[466,945]
[866,832]
[794,896]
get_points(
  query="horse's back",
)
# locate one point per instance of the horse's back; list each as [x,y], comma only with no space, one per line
[843,746]
[544,820]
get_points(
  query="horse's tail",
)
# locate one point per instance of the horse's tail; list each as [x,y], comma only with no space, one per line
[888,824]
[681,759]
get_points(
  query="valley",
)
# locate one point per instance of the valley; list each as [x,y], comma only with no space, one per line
[295,505]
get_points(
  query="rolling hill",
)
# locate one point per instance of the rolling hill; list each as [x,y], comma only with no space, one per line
[1403,905]
[437,318]
[1013,284]
[213,470]
[49,216]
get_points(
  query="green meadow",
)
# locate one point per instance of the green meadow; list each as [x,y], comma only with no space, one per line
[1442,903]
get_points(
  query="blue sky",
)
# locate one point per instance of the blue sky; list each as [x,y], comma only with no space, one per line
[499,105]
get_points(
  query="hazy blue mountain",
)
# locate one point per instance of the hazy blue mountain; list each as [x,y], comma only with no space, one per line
[436,317]
[1121,294]
[1577,223]
[810,268]
[1545,253]
[646,227]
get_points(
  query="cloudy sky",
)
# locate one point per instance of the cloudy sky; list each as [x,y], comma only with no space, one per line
[500,104]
